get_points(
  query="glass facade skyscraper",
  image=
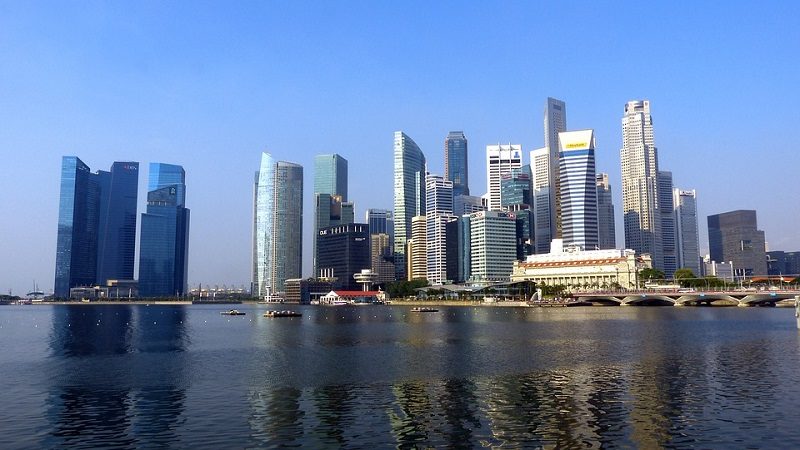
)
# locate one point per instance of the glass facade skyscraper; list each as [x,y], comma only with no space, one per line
[515,187]
[456,167]
[263,222]
[96,224]
[578,188]
[409,194]
[607,229]
[116,246]
[288,223]
[164,243]
[380,221]
[277,225]
[684,203]
[669,249]
[330,175]
[76,248]
[330,198]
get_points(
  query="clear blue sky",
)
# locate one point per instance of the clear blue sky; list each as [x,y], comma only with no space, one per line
[209,85]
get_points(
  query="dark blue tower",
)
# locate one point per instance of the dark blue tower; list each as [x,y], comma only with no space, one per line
[164,242]
[96,224]
[116,243]
[455,162]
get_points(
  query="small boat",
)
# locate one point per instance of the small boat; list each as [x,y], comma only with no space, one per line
[232,312]
[282,314]
[423,309]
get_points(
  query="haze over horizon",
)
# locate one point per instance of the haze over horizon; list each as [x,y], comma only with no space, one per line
[209,87]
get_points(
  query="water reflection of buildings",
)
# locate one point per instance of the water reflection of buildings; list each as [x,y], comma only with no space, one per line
[101,398]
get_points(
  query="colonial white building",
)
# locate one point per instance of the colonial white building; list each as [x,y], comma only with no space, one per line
[577,268]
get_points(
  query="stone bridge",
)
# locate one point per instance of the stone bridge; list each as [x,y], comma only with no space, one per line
[686,298]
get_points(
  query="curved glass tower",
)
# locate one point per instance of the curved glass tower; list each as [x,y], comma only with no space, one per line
[409,195]
[277,225]
[263,214]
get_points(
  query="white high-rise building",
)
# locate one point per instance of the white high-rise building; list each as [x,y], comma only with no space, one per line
[639,161]
[605,213]
[493,245]
[542,199]
[578,189]
[545,177]
[555,122]
[409,194]
[439,208]
[688,237]
[278,224]
[500,159]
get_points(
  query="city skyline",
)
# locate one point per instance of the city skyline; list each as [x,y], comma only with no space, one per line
[131,98]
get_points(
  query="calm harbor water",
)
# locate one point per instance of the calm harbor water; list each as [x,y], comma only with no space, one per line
[380,376]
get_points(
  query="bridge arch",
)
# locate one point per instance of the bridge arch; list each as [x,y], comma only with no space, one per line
[707,299]
[648,300]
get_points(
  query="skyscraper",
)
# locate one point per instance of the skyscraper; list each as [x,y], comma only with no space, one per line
[330,175]
[381,257]
[116,241]
[96,224]
[666,211]
[263,227]
[555,122]
[417,257]
[543,203]
[500,159]
[688,238]
[379,221]
[492,245]
[278,224]
[578,188]
[409,194]
[605,214]
[344,250]
[456,162]
[515,187]
[639,161]
[734,236]
[331,207]
[164,243]
[468,204]
[439,212]
[288,223]
[76,249]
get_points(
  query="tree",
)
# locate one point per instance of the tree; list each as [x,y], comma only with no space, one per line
[686,277]
[404,288]
[651,274]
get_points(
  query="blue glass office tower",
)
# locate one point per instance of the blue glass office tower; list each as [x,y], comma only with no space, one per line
[78,209]
[515,188]
[96,224]
[330,175]
[116,243]
[330,197]
[455,162]
[164,245]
